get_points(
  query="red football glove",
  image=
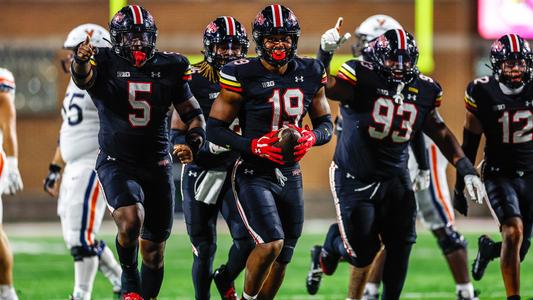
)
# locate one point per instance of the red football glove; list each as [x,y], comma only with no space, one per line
[263,147]
[305,143]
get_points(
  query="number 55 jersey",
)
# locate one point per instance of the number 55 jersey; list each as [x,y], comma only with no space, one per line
[380,121]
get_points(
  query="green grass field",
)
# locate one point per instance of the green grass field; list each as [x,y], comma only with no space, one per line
[47,272]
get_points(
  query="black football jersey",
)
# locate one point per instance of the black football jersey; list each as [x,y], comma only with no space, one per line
[133,103]
[206,91]
[272,100]
[507,122]
[376,130]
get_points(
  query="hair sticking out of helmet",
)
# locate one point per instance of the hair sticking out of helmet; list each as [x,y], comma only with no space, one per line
[225,40]
[133,34]
[370,29]
[511,61]
[395,55]
[276,31]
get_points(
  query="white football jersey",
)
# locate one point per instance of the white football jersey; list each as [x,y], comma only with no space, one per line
[78,138]
[7,84]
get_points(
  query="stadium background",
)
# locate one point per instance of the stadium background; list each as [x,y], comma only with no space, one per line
[34,31]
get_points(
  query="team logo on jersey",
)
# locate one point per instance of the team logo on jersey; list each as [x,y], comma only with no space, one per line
[298,79]
[123,74]
[156,74]
[267,84]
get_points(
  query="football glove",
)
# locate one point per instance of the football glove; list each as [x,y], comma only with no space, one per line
[422,180]
[459,202]
[474,189]
[305,142]
[264,147]
[331,39]
[51,180]
[13,182]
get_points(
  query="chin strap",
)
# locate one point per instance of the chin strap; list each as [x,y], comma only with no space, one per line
[139,57]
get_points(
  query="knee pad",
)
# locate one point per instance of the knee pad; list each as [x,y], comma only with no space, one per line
[524,249]
[287,251]
[450,240]
[80,252]
[204,250]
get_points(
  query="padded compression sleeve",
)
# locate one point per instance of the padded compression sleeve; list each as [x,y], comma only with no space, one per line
[323,129]
[218,133]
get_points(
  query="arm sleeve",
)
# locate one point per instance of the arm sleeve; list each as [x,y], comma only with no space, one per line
[184,76]
[323,129]
[470,101]
[218,133]
[418,145]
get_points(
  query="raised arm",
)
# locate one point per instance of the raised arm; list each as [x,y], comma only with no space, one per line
[81,69]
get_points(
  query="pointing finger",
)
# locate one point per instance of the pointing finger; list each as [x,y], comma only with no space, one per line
[339,24]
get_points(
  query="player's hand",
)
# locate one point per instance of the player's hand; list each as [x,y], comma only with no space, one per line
[51,182]
[183,153]
[331,39]
[305,142]
[13,182]
[422,180]
[459,202]
[474,189]
[216,149]
[85,50]
[264,147]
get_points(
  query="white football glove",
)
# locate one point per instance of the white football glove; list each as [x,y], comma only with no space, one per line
[216,149]
[331,39]
[474,189]
[421,181]
[13,181]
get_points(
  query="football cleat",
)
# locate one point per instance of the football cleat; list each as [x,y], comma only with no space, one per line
[224,287]
[483,257]
[368,296]
[314,276]
[460,296]
[132,296]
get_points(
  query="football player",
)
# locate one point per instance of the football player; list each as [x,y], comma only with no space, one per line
[500,107]
[387,102]
[206,186]
[431,192]
[275,89]
[81,205]
[10,180]
[133,87]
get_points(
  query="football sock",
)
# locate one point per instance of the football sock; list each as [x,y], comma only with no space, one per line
[7,292]
[395,269]
[372,288]
[84,273]
[202,268]
[466,290]
[109,266]
[237,258]
[128,261]
[248,297]
[515,297]
[332,240]
[151,280]
[496,250]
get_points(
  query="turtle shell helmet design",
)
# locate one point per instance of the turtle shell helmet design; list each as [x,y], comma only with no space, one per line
[224,30]
[511,47]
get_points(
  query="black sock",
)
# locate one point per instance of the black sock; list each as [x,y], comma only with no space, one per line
[496,250]
[128,262]
[151,280]
[515,297]
[333,243]
[395,269]
[202,268]
[237,257]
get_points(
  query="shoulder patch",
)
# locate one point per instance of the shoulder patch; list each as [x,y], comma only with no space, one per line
[229,82]
[347,73]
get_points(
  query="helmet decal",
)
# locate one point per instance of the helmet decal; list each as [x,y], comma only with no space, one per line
[230,25]
[277,15]
[137,14]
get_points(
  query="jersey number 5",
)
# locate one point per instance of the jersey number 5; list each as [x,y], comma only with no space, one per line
[383,114]
[140,105]
[293,106]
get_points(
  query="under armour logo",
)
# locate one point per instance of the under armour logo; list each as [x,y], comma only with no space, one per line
[350,176]
[110,158]
[529,103]
[249,171]
[156,74]
[298,79]
[411,97]
[193,174]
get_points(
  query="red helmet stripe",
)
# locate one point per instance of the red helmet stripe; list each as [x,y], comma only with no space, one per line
[230,25]
[277,15]
[137,14]
[516,44]
[401,39]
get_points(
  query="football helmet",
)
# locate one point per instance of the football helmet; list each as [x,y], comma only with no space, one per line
[371,28]
[276,20]
[133,34]
[99,38]
[510,51]
[224,31]
[395,55]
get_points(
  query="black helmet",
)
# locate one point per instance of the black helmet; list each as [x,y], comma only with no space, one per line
[397,46]
[224,30]
[506,48]
[275,20]
[132,24]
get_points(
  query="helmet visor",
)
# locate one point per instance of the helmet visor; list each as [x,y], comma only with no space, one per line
[399,64]
[137,40]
